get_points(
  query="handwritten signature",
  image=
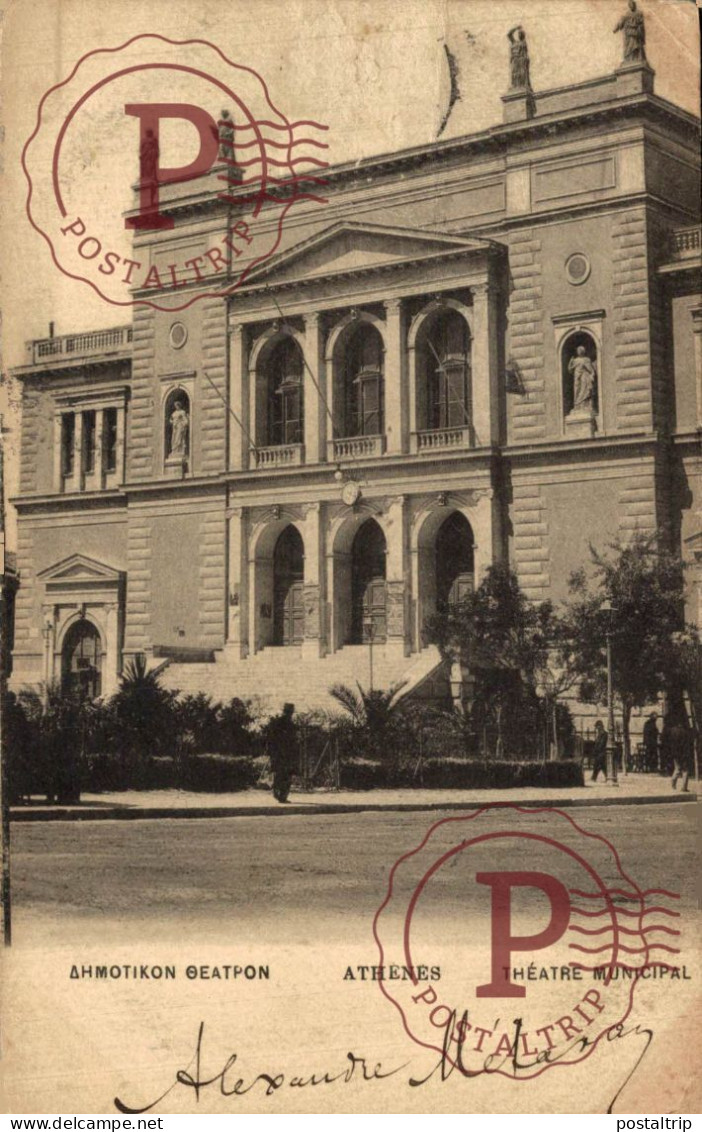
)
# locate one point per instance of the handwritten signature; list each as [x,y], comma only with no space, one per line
[230,1084]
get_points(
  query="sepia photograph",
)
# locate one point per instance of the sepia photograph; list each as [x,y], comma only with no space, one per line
[350,658]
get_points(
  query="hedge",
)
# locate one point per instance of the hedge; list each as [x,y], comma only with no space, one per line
[214,773]
[462,774]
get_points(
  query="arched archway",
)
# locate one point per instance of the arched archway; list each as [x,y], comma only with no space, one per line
[280,376]
[368,589]
[444,371]
[288,588]
[81,661]
[454,561]
[358,380]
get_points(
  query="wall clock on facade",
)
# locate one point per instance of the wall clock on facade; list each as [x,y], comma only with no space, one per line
[350,493]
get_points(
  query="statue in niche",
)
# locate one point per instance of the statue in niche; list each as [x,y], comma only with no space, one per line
[632,24]
[519,59]
[179,422]
[226,137]
[584,373]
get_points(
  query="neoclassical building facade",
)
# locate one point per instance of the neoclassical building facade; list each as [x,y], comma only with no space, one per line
[484,349]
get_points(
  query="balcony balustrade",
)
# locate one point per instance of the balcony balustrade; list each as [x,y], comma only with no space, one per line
[356,447]
[279,456]
[115,340]
[440,439]
[687,242]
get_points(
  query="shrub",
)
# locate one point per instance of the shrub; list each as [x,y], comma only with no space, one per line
[217,773]
[363,774]
[471,774]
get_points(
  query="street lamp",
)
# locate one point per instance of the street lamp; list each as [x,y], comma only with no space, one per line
[608,608]
[369,627]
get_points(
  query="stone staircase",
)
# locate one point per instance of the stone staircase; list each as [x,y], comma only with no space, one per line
[275,676]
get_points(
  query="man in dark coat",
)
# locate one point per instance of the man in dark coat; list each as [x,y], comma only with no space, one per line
[599,751]
[282,751]
[650,742]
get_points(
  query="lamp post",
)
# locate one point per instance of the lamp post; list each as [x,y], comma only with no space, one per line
[369,627]
[612,780]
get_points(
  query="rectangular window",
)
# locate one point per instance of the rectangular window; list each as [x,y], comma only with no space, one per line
[89,441]
[68,437]
[109,440]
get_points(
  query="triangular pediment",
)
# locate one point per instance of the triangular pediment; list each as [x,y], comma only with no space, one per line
[351,246]
[79,568]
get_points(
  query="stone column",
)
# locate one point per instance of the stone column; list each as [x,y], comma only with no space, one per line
[111,656]
[120,445]
[314,379]
[697,330]
[484,361]
[76,480]
[238,400]
[58,468]
[396,414]
[397,571]
[313,644]
[237,581]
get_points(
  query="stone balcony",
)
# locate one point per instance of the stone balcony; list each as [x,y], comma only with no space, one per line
[113,343]
[686,243]
[356,447]
[279,456]
[432,440]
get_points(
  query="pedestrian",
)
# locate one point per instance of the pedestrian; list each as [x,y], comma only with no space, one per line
[282,751]
[680,741]
[599,751]
[650,742]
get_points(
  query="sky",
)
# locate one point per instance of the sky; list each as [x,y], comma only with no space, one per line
[373,70]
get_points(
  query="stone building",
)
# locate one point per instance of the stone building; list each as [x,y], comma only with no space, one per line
[487,348]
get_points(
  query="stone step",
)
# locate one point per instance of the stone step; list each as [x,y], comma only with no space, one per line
[278,675]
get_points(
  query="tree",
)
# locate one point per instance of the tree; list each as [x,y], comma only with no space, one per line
[145,712]
[507,643]
[376,716]
[643,584]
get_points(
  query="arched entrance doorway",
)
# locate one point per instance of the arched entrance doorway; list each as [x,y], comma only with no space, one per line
[288,588]
[81,661]
[454,561]
[368,592]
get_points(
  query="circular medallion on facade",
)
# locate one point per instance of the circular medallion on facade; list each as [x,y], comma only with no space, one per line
[178,335]
[350,493]
[577,268]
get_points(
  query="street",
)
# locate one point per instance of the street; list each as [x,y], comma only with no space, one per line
[165,880]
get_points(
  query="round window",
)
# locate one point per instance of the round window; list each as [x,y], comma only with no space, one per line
[577,268]
[178,335]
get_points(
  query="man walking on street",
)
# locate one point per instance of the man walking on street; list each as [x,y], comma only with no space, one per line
[282,751]
[650,742]
[599,751]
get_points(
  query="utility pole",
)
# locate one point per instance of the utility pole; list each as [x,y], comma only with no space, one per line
[612,779]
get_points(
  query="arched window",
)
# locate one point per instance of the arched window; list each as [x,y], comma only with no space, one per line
[81,661]
[283,375]
[454,561]
[368,590]
[363,382]
[288,588]
[176,423]
[580,374]
[447,369]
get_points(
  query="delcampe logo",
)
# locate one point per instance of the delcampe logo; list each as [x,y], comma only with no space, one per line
[157,128]
[541,935]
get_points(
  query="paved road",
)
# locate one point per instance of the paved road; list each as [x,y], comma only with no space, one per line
[160,880]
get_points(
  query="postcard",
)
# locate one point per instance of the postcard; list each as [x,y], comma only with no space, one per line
[352,572]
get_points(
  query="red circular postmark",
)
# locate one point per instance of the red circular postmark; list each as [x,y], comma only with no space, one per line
[155,129]
[539,934]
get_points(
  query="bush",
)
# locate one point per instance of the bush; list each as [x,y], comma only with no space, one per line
[363,774]
[499,775]
[217,773]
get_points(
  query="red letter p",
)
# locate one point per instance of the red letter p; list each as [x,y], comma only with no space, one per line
[503,942]
[151,175]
